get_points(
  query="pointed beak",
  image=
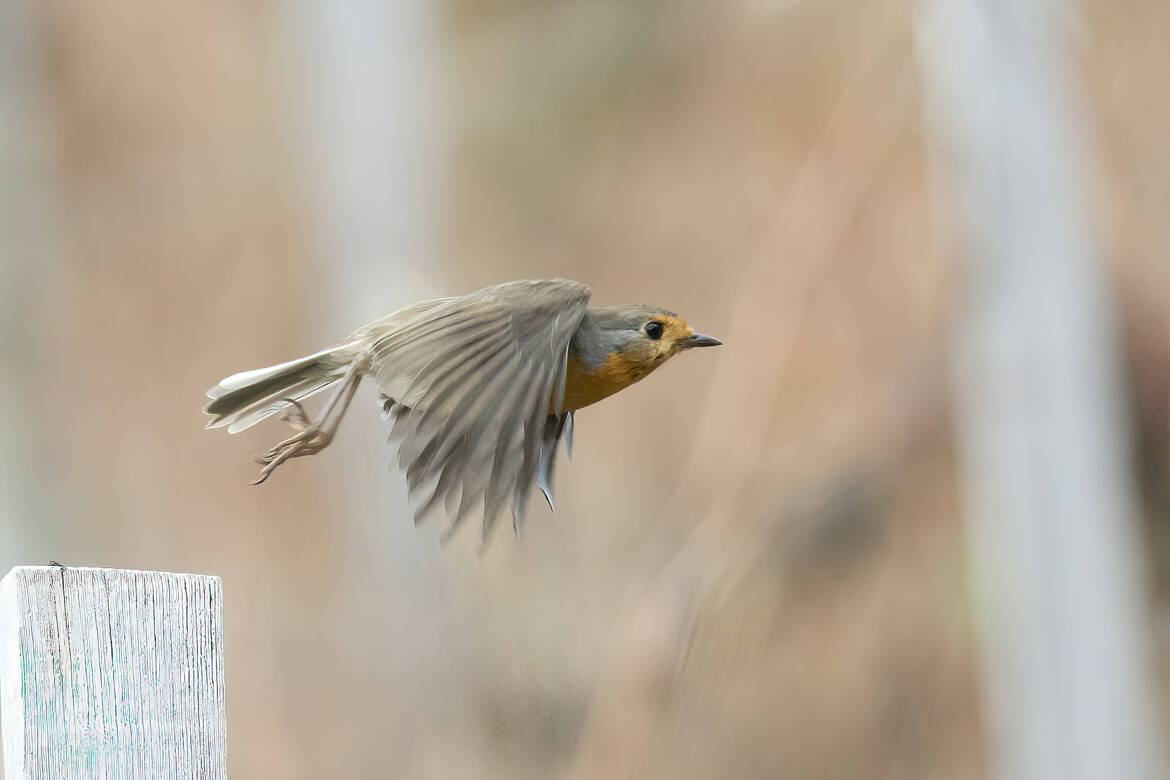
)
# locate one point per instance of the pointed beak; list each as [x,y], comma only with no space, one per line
[699,340]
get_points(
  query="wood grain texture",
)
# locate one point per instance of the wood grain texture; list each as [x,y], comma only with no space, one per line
[111,673]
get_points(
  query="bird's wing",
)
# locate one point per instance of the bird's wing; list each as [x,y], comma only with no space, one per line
[556,427]
[471,380]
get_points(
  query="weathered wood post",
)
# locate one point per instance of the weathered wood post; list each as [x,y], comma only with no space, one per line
[111,673]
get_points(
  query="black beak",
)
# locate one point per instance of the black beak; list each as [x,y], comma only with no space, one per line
[699,340]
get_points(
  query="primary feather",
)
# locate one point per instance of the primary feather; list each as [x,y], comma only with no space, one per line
[477,374]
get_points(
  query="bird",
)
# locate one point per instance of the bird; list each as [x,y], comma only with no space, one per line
[480,388]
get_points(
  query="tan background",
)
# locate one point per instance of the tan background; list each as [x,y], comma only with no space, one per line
[759,166]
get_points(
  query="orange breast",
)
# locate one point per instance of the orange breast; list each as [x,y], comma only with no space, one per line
[583,387]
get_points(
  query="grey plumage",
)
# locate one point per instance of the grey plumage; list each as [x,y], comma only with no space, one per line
[477,373]
[556,426]
[244,399]
[466,382]
[603,332]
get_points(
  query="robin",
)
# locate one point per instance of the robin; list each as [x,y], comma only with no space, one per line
[481,388]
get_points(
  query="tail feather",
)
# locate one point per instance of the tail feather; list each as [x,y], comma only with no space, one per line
[266,407]
[244,399]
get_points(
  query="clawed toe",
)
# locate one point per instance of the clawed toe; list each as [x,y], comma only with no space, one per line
[274,457]
[275,452]
[310,440]
[312,435]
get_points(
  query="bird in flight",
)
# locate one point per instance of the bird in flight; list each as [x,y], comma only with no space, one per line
[481,388]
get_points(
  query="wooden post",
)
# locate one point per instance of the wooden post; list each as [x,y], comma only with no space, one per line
[111,673]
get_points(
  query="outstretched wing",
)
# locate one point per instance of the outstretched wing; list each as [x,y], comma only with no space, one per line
[473,381]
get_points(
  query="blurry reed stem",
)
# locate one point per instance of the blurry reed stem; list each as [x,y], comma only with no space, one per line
[1043,446]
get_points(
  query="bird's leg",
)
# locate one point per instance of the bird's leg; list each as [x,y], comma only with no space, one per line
[312,437]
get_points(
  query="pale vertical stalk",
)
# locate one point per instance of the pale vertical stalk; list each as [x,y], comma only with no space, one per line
[1043,445]
[368,100]
[366,89]
[367,86]
[28,255]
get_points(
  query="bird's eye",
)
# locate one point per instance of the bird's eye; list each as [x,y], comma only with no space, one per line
[654,329]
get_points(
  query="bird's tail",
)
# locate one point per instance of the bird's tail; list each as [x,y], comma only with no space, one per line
[242,400]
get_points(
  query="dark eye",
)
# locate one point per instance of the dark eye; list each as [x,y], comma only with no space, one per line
[654,329]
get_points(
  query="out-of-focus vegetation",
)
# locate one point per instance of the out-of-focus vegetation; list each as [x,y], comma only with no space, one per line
[756,569]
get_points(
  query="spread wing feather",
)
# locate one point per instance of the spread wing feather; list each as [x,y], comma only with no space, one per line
[555,427]
[472,379]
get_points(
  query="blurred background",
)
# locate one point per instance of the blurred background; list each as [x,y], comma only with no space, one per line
[758,565]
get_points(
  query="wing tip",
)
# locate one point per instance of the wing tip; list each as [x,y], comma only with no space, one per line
[547,492]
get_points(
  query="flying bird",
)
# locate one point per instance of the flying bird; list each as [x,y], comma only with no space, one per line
[481,388]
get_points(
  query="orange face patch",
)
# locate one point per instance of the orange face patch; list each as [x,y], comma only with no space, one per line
[621,369]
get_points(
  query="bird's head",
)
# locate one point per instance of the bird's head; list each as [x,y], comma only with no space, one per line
[643,337]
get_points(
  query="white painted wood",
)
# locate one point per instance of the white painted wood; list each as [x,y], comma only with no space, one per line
[111,673]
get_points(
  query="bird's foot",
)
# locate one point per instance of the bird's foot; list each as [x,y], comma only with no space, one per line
[308,441]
